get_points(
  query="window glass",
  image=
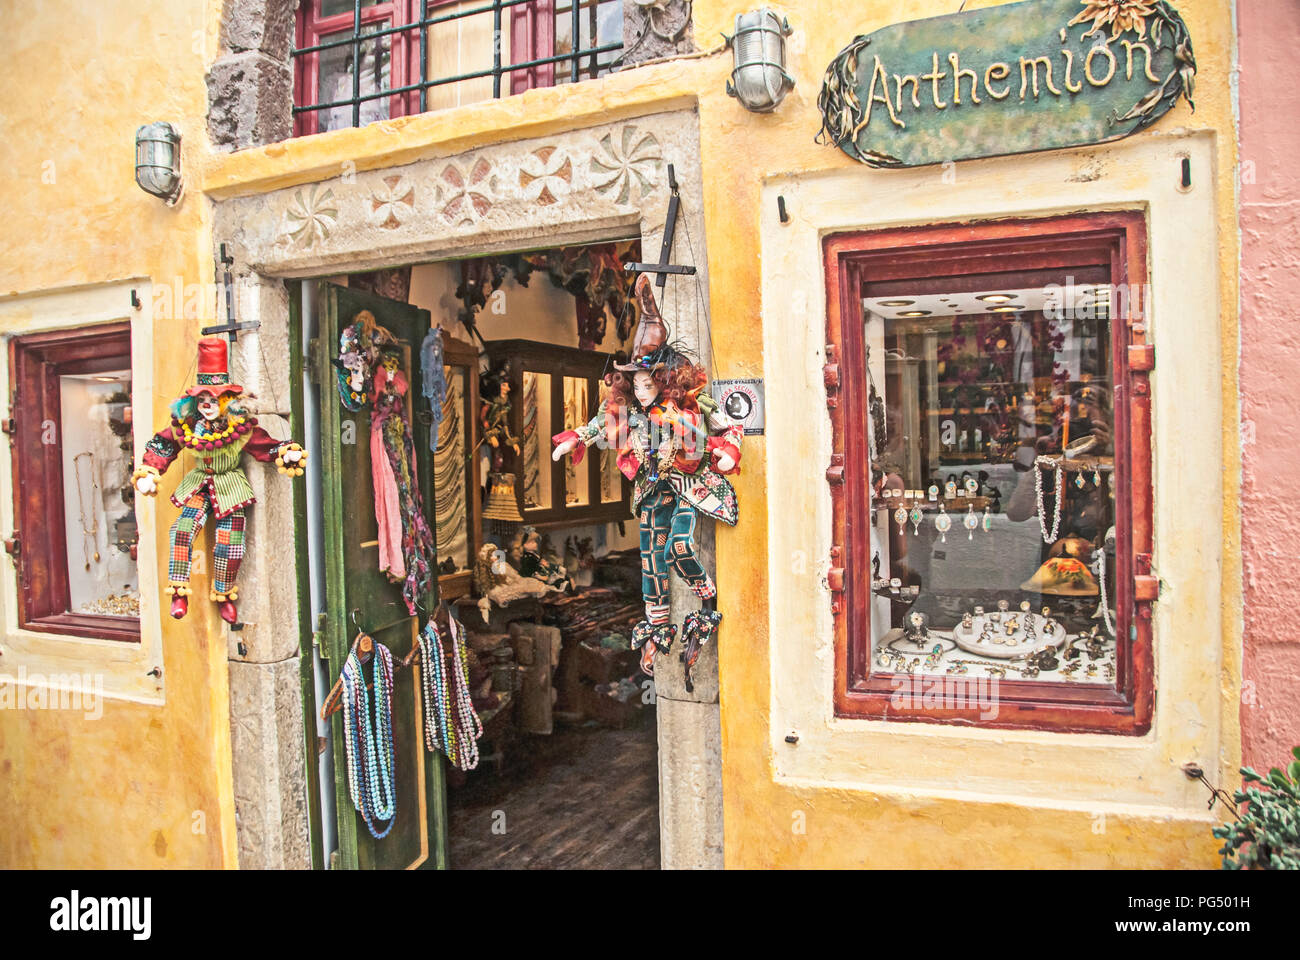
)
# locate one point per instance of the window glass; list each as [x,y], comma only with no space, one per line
[577,478]
[537,424]
[98,498]
[332,8]
[599,23]
[993,506]
[335,77]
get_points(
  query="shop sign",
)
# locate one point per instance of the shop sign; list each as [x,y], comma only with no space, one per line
[1038,75]
[742,402]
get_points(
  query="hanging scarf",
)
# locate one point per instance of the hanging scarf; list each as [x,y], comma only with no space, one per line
[451,725]
[435,380]
[368,742]
[417,543]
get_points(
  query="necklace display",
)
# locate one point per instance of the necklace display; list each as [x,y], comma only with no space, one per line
[368,742]
[1101,584]
[1049,537]
[93,531]
[451,725]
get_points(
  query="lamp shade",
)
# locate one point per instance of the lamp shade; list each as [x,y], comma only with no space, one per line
[758,77]
[158,160]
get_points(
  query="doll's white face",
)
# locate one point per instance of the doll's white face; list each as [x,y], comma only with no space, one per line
[208,407]
[644,388]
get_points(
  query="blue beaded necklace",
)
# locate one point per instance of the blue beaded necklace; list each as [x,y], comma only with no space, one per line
[369,743]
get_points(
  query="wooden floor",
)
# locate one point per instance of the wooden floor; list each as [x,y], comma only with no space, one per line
[582,798]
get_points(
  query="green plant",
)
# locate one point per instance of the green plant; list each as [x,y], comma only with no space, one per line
[1266,834]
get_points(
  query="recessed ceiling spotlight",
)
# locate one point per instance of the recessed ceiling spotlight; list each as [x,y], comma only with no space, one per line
[996,298]
[1005,309]
[897,303]
[915,313]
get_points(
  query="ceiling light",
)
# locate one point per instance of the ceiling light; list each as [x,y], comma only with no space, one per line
[1005,309]
[915,313]
[996,297]
[897,303]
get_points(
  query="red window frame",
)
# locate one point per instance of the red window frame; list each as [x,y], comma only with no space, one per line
[36,362]
[404,54]
[531,29]
[937,254]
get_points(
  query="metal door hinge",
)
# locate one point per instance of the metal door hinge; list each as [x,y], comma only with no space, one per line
[831,376]
[835,580]
[1141,357]
[14,545]
[835,472]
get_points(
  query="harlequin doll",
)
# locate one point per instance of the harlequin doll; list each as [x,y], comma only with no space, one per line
[209,422]
[675,446]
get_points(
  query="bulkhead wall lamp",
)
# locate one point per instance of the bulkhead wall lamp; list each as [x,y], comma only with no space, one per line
[758,77]
[158,161]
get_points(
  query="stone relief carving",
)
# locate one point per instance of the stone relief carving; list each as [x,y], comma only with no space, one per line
[391,200]
[311,215]
[632,157]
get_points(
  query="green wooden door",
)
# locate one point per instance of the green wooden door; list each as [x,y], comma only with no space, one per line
[354,585]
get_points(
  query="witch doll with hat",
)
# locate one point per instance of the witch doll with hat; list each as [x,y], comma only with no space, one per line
[675,446]
[209,422]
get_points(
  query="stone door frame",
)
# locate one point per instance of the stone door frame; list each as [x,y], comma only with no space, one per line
[594,183]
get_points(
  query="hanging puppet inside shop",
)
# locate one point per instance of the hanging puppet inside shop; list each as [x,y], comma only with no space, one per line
[369,372]
[209,422]
[676,447]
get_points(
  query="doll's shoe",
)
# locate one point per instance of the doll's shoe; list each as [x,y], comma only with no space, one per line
[180,607]
[228,612]
[648,659]
[699,629]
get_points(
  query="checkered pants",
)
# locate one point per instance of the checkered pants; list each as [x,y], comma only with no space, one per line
[227,552]
[668,542]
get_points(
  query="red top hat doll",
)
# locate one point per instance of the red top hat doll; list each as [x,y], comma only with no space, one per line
[209,422]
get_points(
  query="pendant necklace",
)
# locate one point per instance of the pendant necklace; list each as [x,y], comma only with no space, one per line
[93,531]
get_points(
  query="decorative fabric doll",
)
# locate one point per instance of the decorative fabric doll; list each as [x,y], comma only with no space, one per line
[675,447]
[209,423]
[369,372]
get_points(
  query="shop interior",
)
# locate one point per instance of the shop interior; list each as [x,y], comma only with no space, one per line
[994,476]
[539,559]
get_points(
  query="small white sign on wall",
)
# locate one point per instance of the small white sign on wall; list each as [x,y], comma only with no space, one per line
[741,402]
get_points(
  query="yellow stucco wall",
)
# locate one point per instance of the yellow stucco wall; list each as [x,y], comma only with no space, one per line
[175,759]
[145,785]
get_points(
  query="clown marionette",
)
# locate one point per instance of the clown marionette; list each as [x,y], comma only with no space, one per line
[675,446]
[209,423]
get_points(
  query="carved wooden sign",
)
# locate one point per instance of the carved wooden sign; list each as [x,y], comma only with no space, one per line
[1038,75]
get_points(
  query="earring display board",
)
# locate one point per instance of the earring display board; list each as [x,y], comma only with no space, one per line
[457,520]
[559,388]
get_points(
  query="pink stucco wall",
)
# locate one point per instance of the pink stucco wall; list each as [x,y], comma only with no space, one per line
[1269,56]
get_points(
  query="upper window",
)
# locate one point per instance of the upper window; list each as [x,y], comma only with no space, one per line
[358,61]
[992,480]
[75,543]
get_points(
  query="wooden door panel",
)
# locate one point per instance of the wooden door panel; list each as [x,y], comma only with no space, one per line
[360,597]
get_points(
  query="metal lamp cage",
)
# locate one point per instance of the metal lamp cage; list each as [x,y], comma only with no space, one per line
[758,78]
[158,161]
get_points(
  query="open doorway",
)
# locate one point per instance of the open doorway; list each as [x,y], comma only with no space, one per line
[537,558]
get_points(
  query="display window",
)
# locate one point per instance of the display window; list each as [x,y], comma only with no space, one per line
[76,536]
[989,392]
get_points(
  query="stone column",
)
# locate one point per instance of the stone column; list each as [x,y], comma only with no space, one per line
[654,30]
[250,85]
[266,706]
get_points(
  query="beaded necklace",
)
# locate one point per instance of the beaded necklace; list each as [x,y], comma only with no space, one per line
[369,744]
[451,724]
[206,438]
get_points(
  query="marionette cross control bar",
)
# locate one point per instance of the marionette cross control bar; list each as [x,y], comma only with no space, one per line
[663,267]
[230,327]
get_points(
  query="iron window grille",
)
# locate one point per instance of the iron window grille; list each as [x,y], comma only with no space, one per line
[391,42]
